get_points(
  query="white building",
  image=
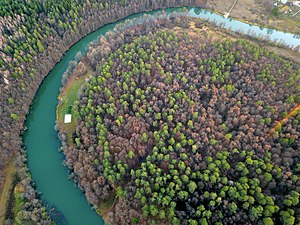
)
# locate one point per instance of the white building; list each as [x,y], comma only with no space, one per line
[68,118]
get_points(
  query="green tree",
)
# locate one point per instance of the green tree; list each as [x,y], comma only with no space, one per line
[268,221]
[14,116]
[131,154]
[192,186]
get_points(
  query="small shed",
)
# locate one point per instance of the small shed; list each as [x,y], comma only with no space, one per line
[68,118]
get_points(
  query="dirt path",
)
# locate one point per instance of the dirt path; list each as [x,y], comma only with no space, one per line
[6,189]
[281,122]
[226,15]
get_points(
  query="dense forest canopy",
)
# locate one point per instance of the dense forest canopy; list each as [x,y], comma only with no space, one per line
[179,126]
[34,35]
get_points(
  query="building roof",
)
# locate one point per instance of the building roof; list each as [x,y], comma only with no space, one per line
[68,118]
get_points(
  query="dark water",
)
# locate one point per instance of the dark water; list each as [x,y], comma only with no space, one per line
[65,202]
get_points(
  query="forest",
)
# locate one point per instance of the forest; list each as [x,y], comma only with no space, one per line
[33,37]
[182,125]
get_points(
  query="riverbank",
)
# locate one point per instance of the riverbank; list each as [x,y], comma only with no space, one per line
[66,100]
[256,13]
[281,50]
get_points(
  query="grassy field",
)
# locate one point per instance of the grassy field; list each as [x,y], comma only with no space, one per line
[66,98]
[6,189]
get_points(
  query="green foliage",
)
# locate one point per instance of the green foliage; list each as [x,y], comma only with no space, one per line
[14,116]
[120,192]
[268,221]
[275,11]
[228,136]
[11,101]
[188,144]
[192,186]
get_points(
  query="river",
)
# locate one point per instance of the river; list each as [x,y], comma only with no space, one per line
[45,162]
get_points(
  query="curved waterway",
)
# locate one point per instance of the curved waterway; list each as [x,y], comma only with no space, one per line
[42,143]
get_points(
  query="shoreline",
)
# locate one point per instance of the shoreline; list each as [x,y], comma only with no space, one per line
[218,7]
[57,61]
